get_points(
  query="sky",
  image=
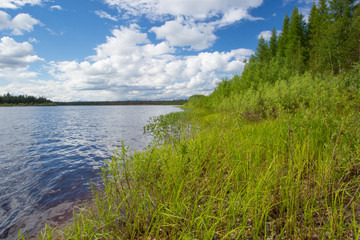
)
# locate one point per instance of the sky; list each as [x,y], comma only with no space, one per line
[107,50]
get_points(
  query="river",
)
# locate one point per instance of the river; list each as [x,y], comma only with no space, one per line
[49,156]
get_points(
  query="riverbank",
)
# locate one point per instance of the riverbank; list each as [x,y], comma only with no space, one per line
[281,164]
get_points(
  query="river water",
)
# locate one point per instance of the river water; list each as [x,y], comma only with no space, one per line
[49,156]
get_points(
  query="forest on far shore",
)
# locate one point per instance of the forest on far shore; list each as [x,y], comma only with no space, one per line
[8,99]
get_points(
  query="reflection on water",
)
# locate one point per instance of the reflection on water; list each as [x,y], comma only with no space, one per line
[48,155]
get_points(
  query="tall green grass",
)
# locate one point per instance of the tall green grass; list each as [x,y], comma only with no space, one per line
[279,162]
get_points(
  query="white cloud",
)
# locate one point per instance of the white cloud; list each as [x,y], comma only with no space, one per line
[129,66]
[33,40]
[57,7]
[188,21]
[103,14]
[126,66]
[19,24]
[14,55]
[14,61]
[300,2]
[265,34]
[14,4]
[198,9]
[180,33]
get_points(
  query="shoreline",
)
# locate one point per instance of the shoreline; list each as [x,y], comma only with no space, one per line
[59,216]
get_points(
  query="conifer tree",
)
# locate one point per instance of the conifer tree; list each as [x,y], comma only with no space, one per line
[273,43]
[338,34]
[314,36]
[262,51]
[354,36]
[319,22]
[295,53]
[283,38]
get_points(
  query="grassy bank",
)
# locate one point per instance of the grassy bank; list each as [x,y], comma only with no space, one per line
[281,161]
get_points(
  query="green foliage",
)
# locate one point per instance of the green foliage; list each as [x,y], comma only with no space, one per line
[273,43]
[8,99]
[283,39]
[262,51]
[296,46]
[270,154]
[198,101]
[233,175]
[328,42]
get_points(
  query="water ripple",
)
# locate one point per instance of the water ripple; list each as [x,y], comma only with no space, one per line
[48,155]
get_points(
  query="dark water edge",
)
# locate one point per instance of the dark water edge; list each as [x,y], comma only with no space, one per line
[32,225]
[48,156]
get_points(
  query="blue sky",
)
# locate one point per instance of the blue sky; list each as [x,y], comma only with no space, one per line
[78,50]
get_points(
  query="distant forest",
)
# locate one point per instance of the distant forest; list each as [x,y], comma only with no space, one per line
[8,99]
[133,102]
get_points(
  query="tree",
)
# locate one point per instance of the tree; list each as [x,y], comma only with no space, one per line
[338,34]
[262,51]
[354,36]
[314,36]
[283,38]
[295,48]
[273,43]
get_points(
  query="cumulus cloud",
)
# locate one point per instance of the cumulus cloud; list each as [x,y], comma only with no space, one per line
[265,34]
[103,14]
[14,55]
[57,7]
[129,66]
[19,24]
[188,22]
[15,59]
[182,34]
[199,9]
[33,40]
[14,4]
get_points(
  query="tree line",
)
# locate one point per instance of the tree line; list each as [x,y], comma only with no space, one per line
[130,102]
[326,47]
[328,42]
[23,99]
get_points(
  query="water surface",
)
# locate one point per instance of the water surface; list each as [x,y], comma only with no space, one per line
[49,155]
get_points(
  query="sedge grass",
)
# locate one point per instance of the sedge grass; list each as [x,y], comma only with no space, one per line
[274,179]
[289,173]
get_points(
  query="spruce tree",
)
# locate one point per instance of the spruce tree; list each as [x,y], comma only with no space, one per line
[314,37]
[262,51]
[273,43]
[283,38]
[339,34]
[295,53]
